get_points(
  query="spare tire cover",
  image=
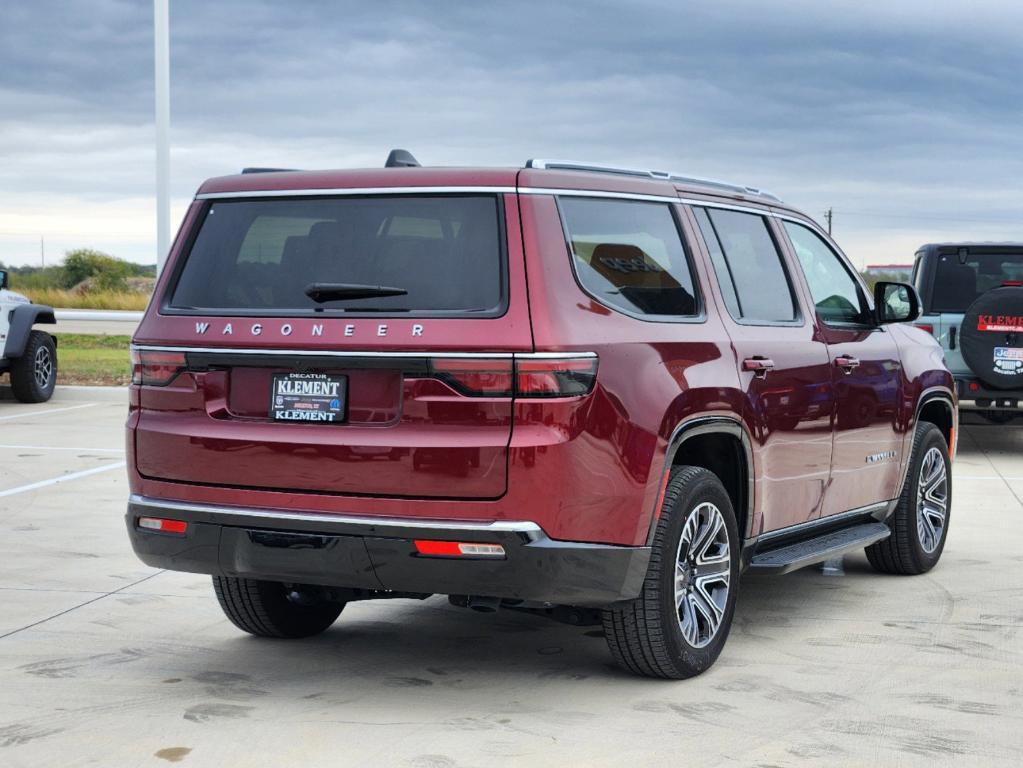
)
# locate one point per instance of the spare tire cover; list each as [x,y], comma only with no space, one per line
[991,338]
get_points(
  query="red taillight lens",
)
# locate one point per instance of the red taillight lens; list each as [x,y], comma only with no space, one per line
[469,549]
[925,327]
[155,368]
[526,376]
[479,378]
[163,525]
[1012,283]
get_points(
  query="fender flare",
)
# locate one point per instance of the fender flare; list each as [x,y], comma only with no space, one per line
[23,317]
[705,425]
[933,394]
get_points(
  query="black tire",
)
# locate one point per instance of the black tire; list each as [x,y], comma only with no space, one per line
[262,608]
[26,387]
[905,551]
[645,635]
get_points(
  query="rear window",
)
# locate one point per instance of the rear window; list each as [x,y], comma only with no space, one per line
[958,282]
[263,256]
[629,255]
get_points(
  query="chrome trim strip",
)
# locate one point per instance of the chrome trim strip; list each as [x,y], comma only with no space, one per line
[809,525]
[353,191]
[529,529]
[369,353]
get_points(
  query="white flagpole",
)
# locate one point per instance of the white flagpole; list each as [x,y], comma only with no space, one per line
[161,71]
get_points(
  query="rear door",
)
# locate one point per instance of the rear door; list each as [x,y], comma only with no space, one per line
[782,366]
[866,370]
[337,344]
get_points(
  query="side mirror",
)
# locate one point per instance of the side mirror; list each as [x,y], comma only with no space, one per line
[3,279]
[895,303]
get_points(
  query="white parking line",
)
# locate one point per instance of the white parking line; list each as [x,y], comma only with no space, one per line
[62,479]
[58,448]
[47,412]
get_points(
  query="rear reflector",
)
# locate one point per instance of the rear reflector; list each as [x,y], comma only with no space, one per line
[524,377]
[155,368]
[458,549]
[163,525]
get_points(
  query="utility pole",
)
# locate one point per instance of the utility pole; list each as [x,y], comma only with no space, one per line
[827,215]
[42,251]
[161,77]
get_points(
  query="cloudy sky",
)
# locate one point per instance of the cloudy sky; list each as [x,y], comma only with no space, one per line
[905,117]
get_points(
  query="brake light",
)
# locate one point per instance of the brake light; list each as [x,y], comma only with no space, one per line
[155,368]
[555,377]
[458,549]
[925,327]
[478,378]
[163,525]
[1012,283]
[527,376]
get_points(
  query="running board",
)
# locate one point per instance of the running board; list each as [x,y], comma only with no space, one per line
[803,553]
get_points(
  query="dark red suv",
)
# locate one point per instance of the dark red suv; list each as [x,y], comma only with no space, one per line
[596,393]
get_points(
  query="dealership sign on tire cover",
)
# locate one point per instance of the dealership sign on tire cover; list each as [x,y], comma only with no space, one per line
[992,337]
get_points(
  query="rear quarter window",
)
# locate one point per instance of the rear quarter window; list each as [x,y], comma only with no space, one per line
[259,257]
[629,256]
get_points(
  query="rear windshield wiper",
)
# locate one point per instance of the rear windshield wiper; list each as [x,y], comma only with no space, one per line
[321,292]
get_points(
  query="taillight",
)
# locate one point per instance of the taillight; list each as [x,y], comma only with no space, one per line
[526,376]
[163,525]
[470,549]
[155,368]
[477,378]
[925,327]
[554,376]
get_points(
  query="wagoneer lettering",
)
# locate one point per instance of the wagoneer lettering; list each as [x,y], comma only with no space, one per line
[613,417]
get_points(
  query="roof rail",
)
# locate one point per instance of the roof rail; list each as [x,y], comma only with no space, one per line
[571,165]
[267,170]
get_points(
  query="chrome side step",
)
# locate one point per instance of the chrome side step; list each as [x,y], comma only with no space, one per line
[824,547]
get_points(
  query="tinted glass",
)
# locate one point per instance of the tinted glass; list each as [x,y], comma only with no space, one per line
[629,255]
[958,283]
[835,292]
[748,266]
[261,255]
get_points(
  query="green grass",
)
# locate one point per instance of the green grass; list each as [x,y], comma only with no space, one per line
[93,359]
[61,299]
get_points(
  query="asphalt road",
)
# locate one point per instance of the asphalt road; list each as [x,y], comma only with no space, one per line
[105,662]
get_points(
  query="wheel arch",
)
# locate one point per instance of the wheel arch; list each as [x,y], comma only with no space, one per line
[936,406]
[23,317]
[719,444]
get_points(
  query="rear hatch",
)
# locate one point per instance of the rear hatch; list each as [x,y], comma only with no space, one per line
[959,279]
[338,344]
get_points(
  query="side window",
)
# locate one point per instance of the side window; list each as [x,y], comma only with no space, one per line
[629,255]
[748,265]
[835,292]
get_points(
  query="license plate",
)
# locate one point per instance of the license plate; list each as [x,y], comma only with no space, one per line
[314,397]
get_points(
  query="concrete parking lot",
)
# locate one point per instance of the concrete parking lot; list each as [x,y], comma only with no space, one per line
[105,662]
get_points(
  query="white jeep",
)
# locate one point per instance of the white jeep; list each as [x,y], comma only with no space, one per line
[30,356]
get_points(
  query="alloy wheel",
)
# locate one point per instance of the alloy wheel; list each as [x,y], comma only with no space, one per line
[703,570]
[932,500]
[43,367]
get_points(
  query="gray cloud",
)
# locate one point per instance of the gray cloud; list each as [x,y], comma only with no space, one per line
[905,119]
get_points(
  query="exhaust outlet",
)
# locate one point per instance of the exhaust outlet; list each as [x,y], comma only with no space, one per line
[484,604]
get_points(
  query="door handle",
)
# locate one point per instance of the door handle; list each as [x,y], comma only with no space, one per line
[847,363]
[758,365]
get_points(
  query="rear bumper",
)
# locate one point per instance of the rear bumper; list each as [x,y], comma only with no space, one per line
[379,553]
[975,395]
